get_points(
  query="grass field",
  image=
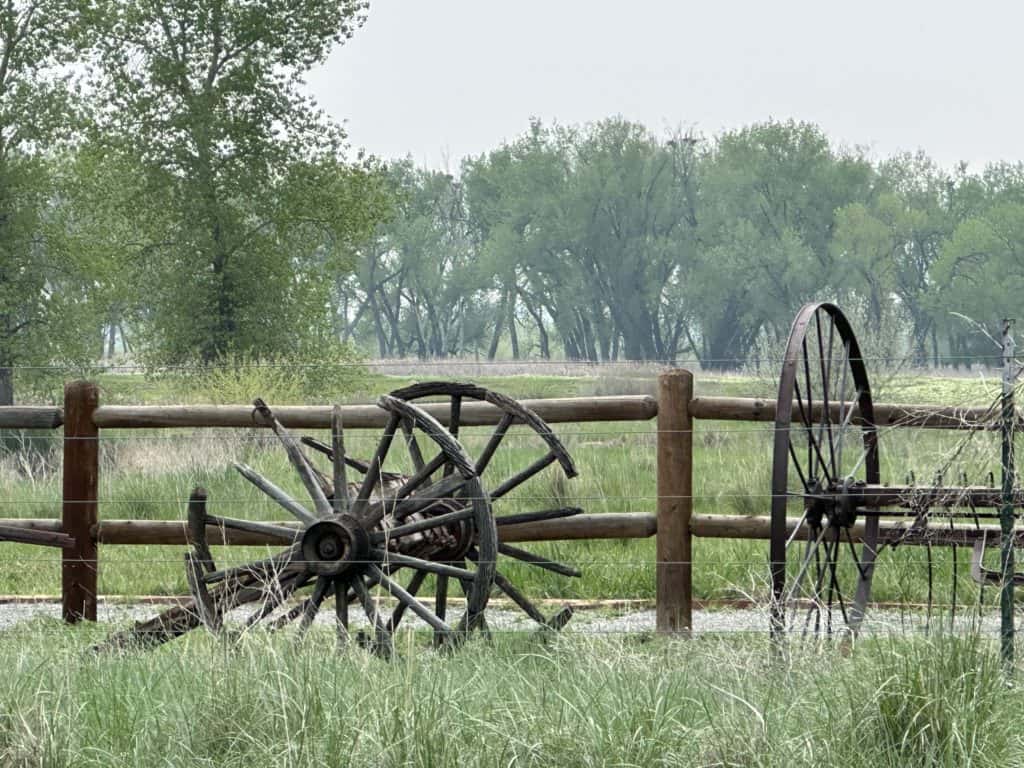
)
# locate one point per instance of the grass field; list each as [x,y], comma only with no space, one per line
[149,474]
[576,701]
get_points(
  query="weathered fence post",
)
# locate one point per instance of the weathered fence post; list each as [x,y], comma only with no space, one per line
[675,502]
[80,509]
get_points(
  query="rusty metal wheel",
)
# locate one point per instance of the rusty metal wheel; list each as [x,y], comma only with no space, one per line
[826,446]
[548,450]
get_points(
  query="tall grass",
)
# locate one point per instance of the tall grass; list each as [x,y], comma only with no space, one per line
[577,701]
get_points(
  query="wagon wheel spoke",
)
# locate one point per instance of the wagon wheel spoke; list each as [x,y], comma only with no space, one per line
[382,643]
[321,589]
[493,442]
[541,562]
[430,566]
[321,447]
[454,419]
[440,601]
[341,601]
[413,445]
[254,526]
[293,507]
[538,516]
[825,363]
[517,597]
[298,461]
[273,599]
[421,476]
[419,526]
[376,463]
[521,477]
[413,589]
[340,501]
[409,601]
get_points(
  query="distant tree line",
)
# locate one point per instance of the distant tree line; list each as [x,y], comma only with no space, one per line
[169,192]
[609,242]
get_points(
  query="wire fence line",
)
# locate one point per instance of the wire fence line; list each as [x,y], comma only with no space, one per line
[412,363]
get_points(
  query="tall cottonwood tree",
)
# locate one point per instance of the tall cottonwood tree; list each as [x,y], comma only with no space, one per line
[42,283]
[208,95]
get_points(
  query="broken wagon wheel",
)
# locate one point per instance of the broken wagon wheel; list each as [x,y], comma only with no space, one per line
[344,549]
[552,451]
[826,445]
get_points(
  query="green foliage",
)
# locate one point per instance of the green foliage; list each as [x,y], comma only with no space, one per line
[327,376]
[252,212]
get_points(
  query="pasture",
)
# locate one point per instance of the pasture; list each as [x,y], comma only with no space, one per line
[577,699]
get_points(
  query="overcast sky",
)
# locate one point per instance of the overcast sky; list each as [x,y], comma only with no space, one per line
[440,79]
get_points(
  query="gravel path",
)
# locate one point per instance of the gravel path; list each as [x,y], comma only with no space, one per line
[601,621]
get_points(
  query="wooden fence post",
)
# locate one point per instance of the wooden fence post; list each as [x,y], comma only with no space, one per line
[675,503]
[80,508]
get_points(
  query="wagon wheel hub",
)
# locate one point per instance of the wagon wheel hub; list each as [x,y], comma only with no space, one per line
[331,547]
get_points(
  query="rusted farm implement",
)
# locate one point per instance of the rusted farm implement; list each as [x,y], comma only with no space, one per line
[386,532]
[826,470]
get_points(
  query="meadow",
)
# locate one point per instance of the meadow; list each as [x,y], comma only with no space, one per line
[148,475]
[576,699]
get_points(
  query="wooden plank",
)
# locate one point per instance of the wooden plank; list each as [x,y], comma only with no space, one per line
[674,570]
[886,414]
[552,410]
[80,509]
[30,417]
[623,525]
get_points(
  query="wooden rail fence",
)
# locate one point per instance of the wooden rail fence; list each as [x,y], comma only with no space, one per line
[676,409]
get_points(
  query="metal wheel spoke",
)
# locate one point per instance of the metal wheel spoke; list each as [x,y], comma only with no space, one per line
[826,412]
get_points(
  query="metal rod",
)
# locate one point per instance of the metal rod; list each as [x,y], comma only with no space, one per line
[1006,628]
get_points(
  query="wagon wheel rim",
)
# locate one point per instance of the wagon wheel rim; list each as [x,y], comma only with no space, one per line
[821,581]
[513,413]
[350,546]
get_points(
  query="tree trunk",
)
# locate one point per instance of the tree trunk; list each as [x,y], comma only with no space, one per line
[513,337]
[6,386]
[499,319]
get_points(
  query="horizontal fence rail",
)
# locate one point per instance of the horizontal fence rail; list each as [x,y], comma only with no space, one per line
[81,530]
[886,414]
[552,410]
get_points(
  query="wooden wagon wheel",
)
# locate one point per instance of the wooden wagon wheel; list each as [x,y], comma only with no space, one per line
[350,543]
[825,446]
[552,452]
